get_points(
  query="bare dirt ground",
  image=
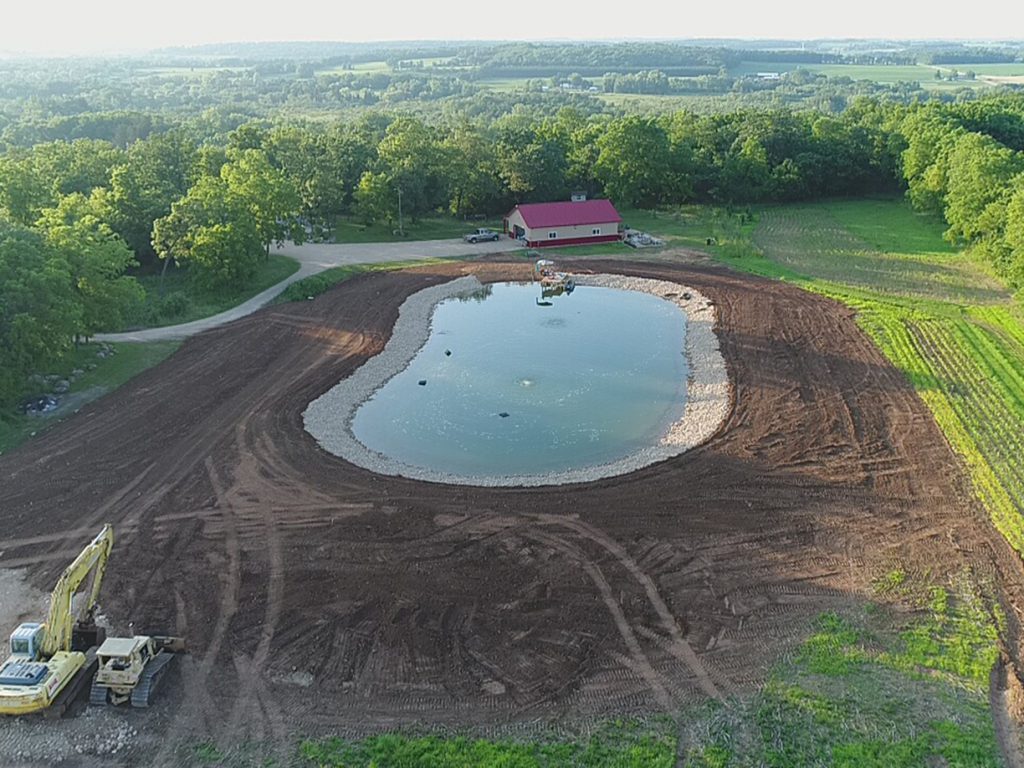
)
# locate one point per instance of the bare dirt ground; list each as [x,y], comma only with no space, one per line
[320,598]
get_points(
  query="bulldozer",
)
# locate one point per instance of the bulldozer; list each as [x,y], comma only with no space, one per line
[130,668]
[50,662]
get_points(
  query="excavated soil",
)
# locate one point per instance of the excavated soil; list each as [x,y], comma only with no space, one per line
[318,597]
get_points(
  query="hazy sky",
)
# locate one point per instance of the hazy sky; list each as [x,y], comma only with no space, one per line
[81,26]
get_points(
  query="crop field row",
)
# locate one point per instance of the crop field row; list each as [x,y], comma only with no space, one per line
[966,378]
[951,329]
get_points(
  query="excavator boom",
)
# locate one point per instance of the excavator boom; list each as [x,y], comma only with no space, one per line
[61,620]
[44,671]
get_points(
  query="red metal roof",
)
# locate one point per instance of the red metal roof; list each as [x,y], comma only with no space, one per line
[567,214]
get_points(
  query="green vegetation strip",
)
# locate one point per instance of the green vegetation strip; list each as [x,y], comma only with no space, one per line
[623,744]
[938,316]
[312,286]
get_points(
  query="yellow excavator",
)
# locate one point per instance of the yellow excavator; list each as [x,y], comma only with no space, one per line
[50,662]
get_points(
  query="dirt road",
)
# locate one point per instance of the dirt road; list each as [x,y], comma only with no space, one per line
[321,598]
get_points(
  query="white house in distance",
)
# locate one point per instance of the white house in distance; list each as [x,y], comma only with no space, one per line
[564,223]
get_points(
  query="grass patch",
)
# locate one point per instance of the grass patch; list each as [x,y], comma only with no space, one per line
[575,251]
[618,744]
[183,302]
[353,230]
[843,700]
[312,286]
[109,374]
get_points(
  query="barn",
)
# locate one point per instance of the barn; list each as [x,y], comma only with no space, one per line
[564,223]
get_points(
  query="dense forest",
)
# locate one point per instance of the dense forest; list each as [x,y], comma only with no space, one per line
[89,196]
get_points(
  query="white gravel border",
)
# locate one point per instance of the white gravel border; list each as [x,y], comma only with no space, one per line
[329,418]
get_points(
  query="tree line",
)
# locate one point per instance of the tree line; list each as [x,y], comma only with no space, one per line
[78,218]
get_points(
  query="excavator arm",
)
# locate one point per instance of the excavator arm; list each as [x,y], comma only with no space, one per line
[61,619]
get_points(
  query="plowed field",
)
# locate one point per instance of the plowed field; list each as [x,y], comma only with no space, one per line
[319,598]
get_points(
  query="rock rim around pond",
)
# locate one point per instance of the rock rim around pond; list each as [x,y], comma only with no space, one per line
[329,417]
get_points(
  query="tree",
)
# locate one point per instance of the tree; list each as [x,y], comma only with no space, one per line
[270,197]
[211,230]
[473,183]
[1013,267]
[413,160]
[930,135]
[531,159]
[376,198]
[156,172]
[39,312]
[635,163]
[97,260]
[978,188]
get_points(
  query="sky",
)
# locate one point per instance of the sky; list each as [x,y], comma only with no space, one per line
[66,27]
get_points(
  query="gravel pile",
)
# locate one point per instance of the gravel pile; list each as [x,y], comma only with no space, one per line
[329,418]
[92,738]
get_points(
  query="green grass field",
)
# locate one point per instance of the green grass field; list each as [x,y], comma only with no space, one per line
[312,286]
[183,302]
[353,230]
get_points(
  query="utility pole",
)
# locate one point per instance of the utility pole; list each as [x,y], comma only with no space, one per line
[401,230]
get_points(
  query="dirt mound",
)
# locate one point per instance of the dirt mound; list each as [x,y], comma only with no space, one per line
[319,597]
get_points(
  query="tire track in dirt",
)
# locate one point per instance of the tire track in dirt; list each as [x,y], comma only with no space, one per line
[197,705]
[423,600]
[638,660]
[677,645]
[252,698]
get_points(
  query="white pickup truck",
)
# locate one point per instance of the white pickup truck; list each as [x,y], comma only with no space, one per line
[480,234]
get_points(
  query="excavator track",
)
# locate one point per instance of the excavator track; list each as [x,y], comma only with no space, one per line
[150,679]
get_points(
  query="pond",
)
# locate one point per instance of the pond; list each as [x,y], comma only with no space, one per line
[508,384]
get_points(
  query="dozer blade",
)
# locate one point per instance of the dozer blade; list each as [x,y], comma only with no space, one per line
[170,644]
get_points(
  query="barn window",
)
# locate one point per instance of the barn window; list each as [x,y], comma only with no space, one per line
[552,235]
[595,231]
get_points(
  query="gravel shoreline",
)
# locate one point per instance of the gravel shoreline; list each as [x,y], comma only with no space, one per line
[328,418]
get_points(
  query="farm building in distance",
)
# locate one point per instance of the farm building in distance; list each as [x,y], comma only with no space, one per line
[564,223]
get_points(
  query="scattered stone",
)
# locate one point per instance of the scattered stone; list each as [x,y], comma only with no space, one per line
[504,414]
[447,353]
[493,687]
[61,387]
[77,372]
[422,382]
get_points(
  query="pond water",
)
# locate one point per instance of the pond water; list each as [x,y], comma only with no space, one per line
[512,387]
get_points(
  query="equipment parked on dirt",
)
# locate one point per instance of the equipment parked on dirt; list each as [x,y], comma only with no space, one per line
[130,668]
[480,234]
[50,662]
